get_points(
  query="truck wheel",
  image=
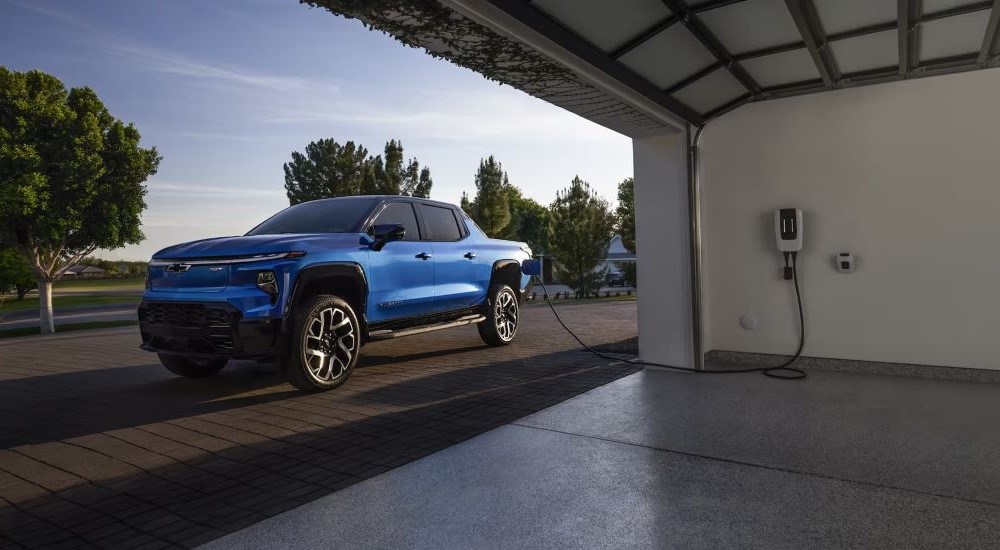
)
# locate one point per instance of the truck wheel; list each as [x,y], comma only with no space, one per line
[191,368]
[502,314]
[323,345]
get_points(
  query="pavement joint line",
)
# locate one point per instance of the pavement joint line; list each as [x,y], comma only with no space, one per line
[763,466]
[113,490]
[27,511]
[283,457]
[210,472]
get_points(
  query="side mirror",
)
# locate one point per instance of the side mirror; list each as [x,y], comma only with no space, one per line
[386,233]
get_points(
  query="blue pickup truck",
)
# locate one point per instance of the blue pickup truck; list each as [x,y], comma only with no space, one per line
[315,282]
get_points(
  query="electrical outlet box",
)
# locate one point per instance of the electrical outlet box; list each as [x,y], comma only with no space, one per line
[844,262]
[788,229]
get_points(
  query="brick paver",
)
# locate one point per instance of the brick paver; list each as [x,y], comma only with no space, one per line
[100,446]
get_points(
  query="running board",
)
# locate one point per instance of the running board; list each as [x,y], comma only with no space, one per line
[462,321]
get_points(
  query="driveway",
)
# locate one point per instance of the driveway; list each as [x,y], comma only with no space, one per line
[100,445]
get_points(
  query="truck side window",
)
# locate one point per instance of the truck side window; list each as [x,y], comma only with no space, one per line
[441,223]
[401,213]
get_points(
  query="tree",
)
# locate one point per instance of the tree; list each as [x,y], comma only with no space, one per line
[71,177]
[329,169]
[15,273]
[399,179]
[529,221]
[625,213]
[582,224]
[491,206]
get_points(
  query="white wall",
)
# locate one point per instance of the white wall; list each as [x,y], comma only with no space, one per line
[661,234]
[903,175]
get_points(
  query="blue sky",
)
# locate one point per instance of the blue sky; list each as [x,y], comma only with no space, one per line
[226,89]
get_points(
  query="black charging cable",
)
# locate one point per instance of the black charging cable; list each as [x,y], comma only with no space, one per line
[783,372]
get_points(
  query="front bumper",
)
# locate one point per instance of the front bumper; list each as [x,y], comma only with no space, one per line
[205,329]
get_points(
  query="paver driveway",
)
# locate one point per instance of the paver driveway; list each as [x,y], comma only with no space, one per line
[100,446]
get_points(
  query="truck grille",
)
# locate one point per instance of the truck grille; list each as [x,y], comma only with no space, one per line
[184,315]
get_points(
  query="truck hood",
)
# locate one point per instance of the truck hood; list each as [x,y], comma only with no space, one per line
[226,247]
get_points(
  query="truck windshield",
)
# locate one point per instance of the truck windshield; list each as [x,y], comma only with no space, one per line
[340,215]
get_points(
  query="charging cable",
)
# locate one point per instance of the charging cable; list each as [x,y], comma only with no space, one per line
[784,371]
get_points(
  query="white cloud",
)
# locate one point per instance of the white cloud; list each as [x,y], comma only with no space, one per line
[159,187]
[172,63]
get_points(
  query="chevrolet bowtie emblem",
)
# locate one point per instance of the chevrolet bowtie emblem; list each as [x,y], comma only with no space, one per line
[178,268]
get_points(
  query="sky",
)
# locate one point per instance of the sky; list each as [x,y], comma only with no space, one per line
[227,89]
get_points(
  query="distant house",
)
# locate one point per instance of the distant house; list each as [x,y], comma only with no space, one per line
[617,254]
[84,272]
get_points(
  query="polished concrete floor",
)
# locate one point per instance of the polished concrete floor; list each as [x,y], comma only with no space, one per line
[673,460]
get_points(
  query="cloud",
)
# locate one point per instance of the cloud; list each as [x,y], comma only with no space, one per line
[172,63]
[168,188]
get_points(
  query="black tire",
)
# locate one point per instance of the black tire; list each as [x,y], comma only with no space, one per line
[191,368]
[503,313]
[322,325]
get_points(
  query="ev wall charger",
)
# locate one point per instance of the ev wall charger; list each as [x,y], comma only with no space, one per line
[788,229]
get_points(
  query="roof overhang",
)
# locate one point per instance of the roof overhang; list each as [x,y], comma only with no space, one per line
[648,66]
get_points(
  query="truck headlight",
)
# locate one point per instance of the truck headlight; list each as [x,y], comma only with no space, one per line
[268,282]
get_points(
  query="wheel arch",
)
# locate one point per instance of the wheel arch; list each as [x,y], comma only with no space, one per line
[508,272]
[344,279]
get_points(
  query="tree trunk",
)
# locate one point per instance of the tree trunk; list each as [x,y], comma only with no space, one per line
[46,321]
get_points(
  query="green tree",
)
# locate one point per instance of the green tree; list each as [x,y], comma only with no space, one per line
[625,213]
[327,169]
[15,273]
[399,178]
[582,225]
[529,221]
[71,176]
[491,206]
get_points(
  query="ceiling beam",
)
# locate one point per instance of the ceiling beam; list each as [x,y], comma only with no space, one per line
[806,19]
[715,4]
[730,106]
[991,42]
[952,12]
[906,29]
[590,54]
[694,78]
[645,35]
[771,50]
[694,25]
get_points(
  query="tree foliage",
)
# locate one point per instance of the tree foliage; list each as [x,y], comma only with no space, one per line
[328,169]
[582,226]
[529,221]
[625,213]
[71,176]
[15,273]
[491,205]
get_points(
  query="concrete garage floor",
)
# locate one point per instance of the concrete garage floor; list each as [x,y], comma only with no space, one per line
[673,460]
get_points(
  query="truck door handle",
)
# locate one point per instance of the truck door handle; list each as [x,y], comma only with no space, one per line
[424,256]
[470,255]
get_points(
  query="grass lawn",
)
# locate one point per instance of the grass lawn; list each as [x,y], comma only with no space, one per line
[29,331]
[61,302]
[99,284]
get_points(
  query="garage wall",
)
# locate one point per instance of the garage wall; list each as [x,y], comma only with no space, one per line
[905,176]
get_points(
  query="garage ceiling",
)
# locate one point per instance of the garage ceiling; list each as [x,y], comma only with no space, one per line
[712,56]
[697,59]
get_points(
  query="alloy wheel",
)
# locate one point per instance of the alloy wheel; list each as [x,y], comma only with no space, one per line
[329,344]
[505,315]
